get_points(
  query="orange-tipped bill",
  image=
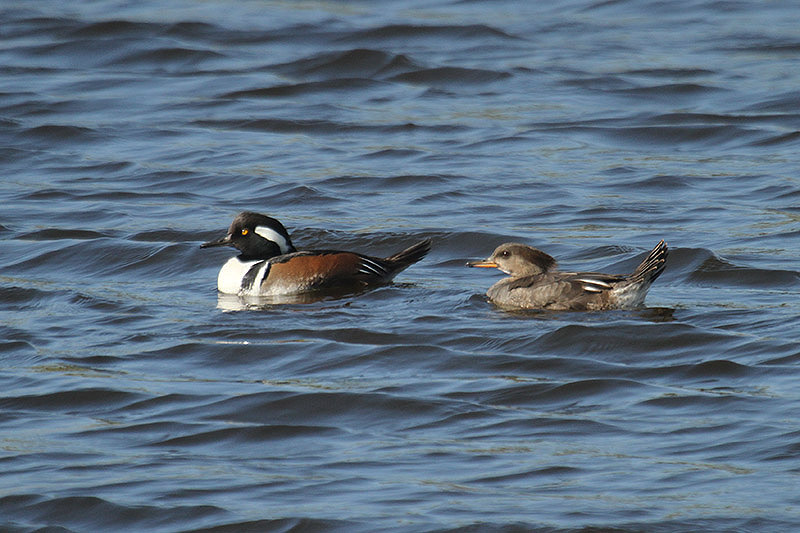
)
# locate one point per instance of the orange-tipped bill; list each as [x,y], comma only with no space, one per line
[483,264]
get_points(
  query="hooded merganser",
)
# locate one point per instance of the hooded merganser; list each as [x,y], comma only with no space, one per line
[535,283]
[269,264]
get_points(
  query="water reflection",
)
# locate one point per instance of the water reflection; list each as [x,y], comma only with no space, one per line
[233,302]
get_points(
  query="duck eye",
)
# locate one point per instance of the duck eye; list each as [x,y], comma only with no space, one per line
[245,231]
[505,253]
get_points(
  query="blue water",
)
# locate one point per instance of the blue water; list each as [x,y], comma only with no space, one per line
[134,397]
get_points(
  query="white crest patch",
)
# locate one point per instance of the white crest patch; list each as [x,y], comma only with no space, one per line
[272,235]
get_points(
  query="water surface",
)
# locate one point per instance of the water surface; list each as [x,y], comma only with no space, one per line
[134,397]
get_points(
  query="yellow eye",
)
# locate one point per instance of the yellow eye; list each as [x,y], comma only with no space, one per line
[245,231]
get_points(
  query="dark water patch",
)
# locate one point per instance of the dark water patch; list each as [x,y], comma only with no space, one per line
[55,234]
[789,451]
[464,242]
[414,33]
[450,76]
[774,191]
[107,256]
[257,436]
[518,364]
[689,135]
[20,296]
[45,195]
[38,108]
[629,525]
[713,373]
[301,195]
[607,253]
[116,195]
[164,404]
[228,352]
[499,142]
[788,102]
[417,357]
[775,140]
[769,48]
[718,368]
[444,197]
[671,72]
[673,129]
[16,338]
[398,64]
[181,180]
[547,426]
[469,423]
[116,28]
[160,262]
[666,183]
[89,513]
[605,215]
[166,235]
[132,433]
[712,402]
[343,409]
[671,90]
[321,127]
[399,182]
[94,302]
[536,475]
[347,85]
[206,31]
[394,154]
[22,71]
[15,346]
[707,119]
[634,344]
[104,168]
[687,260]
[11,155]
[181,57]
[284,126]
[358,63]
[80,53]
[789,360]
[72,401]
[603,83]
[95,361]
[60,133]
[717,271]
[289,525]
[573,396]
[31,23]
[107,195]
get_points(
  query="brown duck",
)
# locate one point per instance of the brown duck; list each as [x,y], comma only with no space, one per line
[535,283]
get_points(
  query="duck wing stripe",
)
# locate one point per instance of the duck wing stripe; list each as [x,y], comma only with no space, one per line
[249,279]
[594,285]
[371,267]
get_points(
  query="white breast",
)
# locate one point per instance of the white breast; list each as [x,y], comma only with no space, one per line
[230,276]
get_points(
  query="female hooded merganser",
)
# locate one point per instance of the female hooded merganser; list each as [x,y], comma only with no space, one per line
[270,265]
[535,283]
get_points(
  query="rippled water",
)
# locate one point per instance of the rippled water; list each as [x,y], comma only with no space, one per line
[133,397]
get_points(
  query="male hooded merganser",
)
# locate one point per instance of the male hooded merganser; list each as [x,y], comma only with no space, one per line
[270,265]
[535,283]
